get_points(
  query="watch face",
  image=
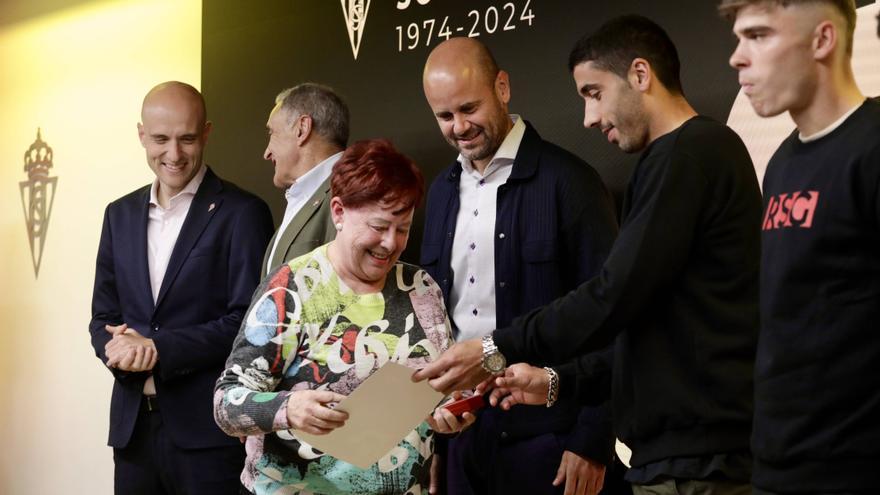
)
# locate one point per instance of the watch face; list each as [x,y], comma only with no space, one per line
[495,362]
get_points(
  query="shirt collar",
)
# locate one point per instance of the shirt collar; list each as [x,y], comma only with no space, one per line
[506,153]
[190,189]
[313,178]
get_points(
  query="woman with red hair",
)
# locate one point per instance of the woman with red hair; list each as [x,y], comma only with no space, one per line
[321,324]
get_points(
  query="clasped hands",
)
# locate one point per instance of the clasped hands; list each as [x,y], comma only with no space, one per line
[128,350]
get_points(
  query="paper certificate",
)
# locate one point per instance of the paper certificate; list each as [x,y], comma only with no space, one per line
[381,412]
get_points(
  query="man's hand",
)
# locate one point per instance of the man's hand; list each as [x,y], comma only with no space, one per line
[582,476]
[520,384]
[311,411]
[128,350]
[115,330]
[138,358]
[459,368]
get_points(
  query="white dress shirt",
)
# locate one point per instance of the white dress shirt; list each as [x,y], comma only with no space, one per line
[300,192]
[473,249]
[163,228]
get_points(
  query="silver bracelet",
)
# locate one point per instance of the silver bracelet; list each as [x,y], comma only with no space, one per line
[553,389]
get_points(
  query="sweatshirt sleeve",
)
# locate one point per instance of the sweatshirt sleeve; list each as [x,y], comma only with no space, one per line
[587,379]
[648,255]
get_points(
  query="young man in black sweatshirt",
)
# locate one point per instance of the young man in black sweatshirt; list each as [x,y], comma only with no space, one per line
[679,290]
[817,376]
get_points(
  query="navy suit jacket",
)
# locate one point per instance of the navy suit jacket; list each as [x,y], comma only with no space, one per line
[554,226]
[213,271]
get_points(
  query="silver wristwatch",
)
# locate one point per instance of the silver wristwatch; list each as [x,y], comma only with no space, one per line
[493,361]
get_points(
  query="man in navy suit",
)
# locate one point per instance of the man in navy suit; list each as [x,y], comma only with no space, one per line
[177,265]
[515,222]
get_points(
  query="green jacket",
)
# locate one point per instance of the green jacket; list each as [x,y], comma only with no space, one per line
[311,227]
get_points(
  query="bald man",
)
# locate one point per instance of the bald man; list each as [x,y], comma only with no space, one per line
[512,224]
[177,264]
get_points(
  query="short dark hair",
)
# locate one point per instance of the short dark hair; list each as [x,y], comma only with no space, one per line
[621,40]
[373,171]
[329,113]
[847,8]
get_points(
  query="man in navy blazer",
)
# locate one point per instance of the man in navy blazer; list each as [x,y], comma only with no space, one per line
[513,223]
[177,265]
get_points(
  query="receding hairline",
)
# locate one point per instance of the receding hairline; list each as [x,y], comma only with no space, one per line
[286,100]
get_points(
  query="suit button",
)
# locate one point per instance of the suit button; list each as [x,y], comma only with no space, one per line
[504,435]
[501,284]
[155,327]
[501,235]
[449,235]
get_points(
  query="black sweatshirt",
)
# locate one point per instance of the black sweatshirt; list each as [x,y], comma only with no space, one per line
[680,288]
[817,375]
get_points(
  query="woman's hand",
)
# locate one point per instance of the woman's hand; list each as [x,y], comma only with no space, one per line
[520,384]
[312,411]
[443,421]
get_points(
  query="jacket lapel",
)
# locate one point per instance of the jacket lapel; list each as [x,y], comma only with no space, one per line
[526,162]
[203,208]
[140,220]
[299,221]
[267,253]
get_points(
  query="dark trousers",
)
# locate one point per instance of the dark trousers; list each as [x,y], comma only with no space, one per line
[482,461]
[152,465]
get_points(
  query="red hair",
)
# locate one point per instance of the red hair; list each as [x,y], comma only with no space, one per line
[373,171]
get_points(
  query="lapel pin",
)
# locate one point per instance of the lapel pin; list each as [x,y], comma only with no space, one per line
[211,207]
[317,202]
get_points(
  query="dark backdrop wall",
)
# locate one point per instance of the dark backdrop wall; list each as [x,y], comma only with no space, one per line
[253,50]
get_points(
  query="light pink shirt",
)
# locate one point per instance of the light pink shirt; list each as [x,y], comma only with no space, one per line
[164,227]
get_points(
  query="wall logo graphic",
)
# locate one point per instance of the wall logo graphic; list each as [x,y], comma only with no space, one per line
[355,12]
[37,196]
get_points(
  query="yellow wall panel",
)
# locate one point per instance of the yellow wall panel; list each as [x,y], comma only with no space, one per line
[78,74]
